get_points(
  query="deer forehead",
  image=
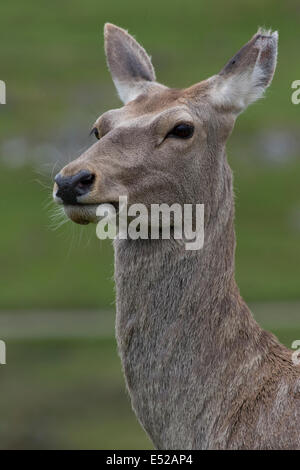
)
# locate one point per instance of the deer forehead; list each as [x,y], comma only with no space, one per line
[131,118]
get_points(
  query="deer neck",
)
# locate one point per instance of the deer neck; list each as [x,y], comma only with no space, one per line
[177,311]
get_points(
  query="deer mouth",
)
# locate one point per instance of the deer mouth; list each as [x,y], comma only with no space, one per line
[84,214]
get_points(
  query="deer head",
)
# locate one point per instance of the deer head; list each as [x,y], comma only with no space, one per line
[164,145]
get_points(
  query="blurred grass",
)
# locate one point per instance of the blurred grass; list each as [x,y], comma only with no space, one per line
[66,394]
[53,49]
[268,231]
[67,268]
[69,393]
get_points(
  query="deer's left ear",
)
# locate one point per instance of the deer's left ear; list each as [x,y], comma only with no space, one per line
[246,76]
[129,64]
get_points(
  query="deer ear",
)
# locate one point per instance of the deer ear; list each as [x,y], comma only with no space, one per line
[129,64]
[245,77]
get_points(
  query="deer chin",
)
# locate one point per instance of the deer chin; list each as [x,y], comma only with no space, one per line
[84,214]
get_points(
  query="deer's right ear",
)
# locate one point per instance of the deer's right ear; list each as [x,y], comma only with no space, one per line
[129,64]
[245,77]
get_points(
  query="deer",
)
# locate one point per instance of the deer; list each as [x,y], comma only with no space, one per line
[200,371]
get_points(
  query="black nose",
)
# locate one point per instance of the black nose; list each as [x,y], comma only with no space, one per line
[70,187]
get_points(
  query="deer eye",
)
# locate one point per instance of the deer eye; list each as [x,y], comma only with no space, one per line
[95,132]
[182,131]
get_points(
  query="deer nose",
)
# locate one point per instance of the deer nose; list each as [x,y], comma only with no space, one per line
[71,187]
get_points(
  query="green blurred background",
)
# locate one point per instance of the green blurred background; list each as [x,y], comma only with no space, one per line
[62,385]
